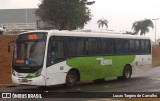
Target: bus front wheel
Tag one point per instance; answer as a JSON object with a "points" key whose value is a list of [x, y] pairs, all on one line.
{"points": [[71, 79]]}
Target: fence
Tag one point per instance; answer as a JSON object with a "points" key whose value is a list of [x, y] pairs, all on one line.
{"points": [[12, 28]]}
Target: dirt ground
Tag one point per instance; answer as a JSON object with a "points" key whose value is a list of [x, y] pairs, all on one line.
{"points": [[5, 58]]}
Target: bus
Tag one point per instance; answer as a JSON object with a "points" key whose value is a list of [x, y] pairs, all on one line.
{"points": [[52, 57]]}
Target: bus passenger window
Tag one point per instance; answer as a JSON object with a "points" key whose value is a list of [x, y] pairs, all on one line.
{"points": [[143, 51], [122, 46], [132, 46], [92, 47], [81, 48], [147, 47], [137, 46], [108, 46], [55, 52], [72, 47], [76, 47]]}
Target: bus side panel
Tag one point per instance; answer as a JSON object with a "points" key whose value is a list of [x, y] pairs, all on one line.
{"points": [[142, 63], [56, 74], [121, 62], [86, 66], [97, 67], [92, 68]]}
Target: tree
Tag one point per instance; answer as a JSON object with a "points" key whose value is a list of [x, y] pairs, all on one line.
{"points": [[65, 14], [142, 26], [102, 22]]}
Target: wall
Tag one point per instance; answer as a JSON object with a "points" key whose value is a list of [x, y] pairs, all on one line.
{"points": [[155, 55], [5, 59]]}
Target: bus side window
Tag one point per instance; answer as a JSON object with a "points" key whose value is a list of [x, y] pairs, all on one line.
{"points": [[92, 46], [132, 46], [108, 46], [81, 47], [76, 47], [55, 52], [143, 51], [72, 47], [147, 47], [137, 46], [122, 46]]}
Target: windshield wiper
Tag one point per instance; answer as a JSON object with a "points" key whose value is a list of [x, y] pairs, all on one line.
{"points": [[33, 47]]}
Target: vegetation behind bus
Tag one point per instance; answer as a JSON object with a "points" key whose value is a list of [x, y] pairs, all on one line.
{"points": [[65, 14]]}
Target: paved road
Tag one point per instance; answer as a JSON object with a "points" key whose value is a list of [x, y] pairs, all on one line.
{"points": [[146, 82]]}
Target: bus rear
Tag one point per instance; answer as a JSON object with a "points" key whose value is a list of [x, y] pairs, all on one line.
{"points": [[28, 58]]}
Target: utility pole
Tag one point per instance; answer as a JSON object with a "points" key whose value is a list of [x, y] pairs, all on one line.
{"points": [[155, 28]]}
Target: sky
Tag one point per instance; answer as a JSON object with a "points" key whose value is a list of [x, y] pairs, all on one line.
{"points": [[119, 13]]}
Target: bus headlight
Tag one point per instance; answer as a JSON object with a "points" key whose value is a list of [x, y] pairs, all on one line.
{"points": [[13, 72]]}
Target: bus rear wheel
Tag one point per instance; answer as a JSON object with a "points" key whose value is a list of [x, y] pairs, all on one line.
{"points": [[71, 79], [127, 72]]}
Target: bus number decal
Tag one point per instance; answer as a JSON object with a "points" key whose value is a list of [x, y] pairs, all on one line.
{"points": [[105, 61]]}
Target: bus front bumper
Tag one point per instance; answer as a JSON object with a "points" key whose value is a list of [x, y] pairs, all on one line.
{"points": [[40, 80]]}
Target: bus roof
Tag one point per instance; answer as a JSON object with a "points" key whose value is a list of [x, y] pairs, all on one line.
{"points": [[89, 34]]}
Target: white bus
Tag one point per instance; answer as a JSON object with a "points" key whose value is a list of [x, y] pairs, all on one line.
{"points": [[65, 57]]}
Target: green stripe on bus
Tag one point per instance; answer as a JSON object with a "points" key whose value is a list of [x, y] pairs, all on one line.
{"points": [[32, 75], [97, 67]]}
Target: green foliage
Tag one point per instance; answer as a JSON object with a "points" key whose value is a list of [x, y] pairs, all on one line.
{"points": [[102, 22], [65, 14], [142, 26]]}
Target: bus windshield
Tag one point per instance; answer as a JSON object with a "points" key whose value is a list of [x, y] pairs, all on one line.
{"points": [[29, 50]]}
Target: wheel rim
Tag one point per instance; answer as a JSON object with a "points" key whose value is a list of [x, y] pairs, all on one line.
{"points": [[70, 80], [127, 73]]}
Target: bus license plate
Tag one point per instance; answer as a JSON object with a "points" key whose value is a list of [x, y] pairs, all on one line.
{"points": [[24, 80]]}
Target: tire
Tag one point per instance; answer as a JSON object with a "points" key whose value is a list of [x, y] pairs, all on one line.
{"points": [[71, 79], [127, 72]]}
